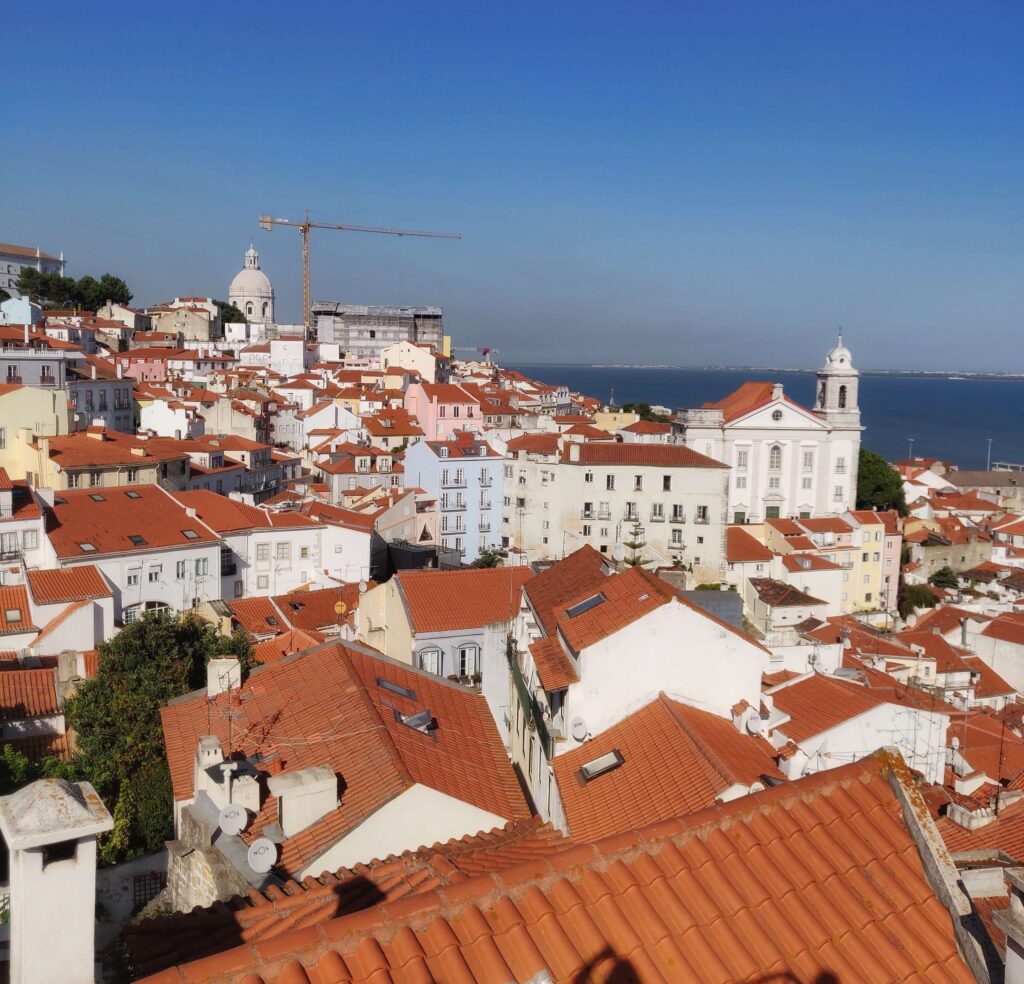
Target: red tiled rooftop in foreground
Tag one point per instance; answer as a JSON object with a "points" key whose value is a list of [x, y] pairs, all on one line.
{"points": [[65, 585], [814, 880]]}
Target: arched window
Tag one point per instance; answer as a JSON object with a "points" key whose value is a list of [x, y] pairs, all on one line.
{"points": [[469, 660], [775, 458], [430, 660], [266, 307], [248, 308], [842, 397], [821, 395]]}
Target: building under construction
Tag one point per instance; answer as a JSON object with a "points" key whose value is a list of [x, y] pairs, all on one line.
{"points": [[362, 331]]}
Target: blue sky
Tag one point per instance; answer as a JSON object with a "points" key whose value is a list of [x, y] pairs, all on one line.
{"points": [[687, 183]]}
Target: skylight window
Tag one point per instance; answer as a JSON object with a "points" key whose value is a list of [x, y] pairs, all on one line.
{"points": [[422, 721], [190, 534], [96, 497], [87, 547], [133, 495], [271, 620], [12, 614], [137, 540], [602, 764], [394, 688], [584, 606]]}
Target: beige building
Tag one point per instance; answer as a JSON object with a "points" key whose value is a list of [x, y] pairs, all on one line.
{"points": [[28, 413]]}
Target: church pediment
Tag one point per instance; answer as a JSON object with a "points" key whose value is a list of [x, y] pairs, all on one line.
{"points": [[783, 414]]}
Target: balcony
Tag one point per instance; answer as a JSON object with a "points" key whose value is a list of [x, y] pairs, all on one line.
{"points": [[454, 483], [52, 381], [450, 505], [588, 514], [484, 526], [702, 520], [604, 514], [678, 518], [485, 481], [485, 505], [631, 516], [10, 554], [657, 517], [13, 380]]}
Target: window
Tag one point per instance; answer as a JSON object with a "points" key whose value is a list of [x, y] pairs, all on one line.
{"points": [[657, 512], [876, 556], [702, 514], [742, 457], [30, 540], [202, 567], [774, 482], [609, 483], [153, 575], [588, 477], [94, 478], [678, 513], [631, 511], [587, 530], [604, 532], [739, 517], [775, 458], [867, 578], [867, 595], [838, 493], [808, 461], [3, 438], [602, 764], [283, 551], [469, 660], [190, 534], [263, 551], [430, 660], [12, 615], [840, 466], [666, 483], [638, 483], [842, 397], [776, 415], [677, 538], [588, 510], [303, 553], [179, 570], [132, 579], [262, 582], [805, 483]]}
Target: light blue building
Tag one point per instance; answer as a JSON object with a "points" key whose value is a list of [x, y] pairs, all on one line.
{"points": [[466, 475]]}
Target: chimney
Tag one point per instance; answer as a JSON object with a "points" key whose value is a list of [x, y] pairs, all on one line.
{"points": [[1011, 922], [120, 369], [92, 366], [776, 391], [223, 674], [304, 797], [50, 829]]}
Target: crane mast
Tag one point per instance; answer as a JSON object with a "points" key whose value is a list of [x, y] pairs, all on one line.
{"points": [[267, 222]]}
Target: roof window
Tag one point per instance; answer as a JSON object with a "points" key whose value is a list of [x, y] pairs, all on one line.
{"points": [[190, 534], [394, 688], [271, 620], [422, 721], [133, 495], [87, 547], [137, 540], [96, 497], [602, 764], [584, 606], [12, 614]]}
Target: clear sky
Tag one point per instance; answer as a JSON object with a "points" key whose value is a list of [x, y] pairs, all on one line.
{"points": [[679, 182]]}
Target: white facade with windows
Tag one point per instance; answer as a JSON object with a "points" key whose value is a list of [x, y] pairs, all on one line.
{"points": [[787, 461]]}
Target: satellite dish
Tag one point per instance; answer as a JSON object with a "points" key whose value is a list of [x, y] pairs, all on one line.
{"points": [[955, 742], [232, 819], [340, 608], [578, 728], [618, 553], [754, 724], [362, 587], [262, 855]]}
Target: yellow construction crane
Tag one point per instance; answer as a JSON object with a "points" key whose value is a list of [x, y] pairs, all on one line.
{"points": [[268, 223]]}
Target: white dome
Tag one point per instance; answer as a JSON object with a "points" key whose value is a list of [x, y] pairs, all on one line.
{"points": [[839, 357], [251, 291], [251, 283]]}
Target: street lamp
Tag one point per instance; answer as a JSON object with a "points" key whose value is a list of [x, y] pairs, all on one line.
{"points": [[910, 448], [988, 464]]}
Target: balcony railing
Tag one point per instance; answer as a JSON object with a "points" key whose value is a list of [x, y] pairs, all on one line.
{"points": [[484, 526], [451, 505], [485, 505], [52, 381], [677, 518], [10, 553], [632, 516], [604, 514], [485, 481], [657, 517], [703, 520], [588, 514]]}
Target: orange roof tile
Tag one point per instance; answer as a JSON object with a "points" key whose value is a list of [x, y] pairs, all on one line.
{"points": [[534, 444], [293, 641], [555, 586], [439, 601], [554, 665], [751, 396], [742, 548], [28, 694], [15, 613], [653, 455], [676, 760], [67, 584], [814, 879], [819, 703]]}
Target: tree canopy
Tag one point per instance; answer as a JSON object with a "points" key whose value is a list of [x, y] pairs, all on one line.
{"points": [[644, 412], [915, 596], [945, 577], [879, 485], [51, 290], [116, 718], [229, 313]]}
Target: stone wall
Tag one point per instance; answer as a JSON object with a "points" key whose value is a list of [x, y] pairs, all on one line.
{"points": [[197, 873]]}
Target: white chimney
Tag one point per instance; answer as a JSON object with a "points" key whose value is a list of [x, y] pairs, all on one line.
{"points": [[50, 828], [776, 391], [304, 796], [120, 369], [223, 673], [92, 366], [208, 754]]}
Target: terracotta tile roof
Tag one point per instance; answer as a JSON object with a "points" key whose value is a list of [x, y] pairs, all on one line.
{"points": [[742, 548], [446, 393], [751, 396], [164, 941], [814, 880], [769, 680], [946, 618], [293, 641], [320, 608], [65, 585], [948, 658], [653, 455], [649, 427], [9, 249], [1005, 629], [438, 601], [676, 760], [534, 444], [554, 665], [28, 694], [825, 524], [258, 616], [81, 450], [15, 613], [107, 518], [808, 562], [325, 707], [819, 703], [552, 588], [778, 594], [1005, 833], [225, 515], [991, 683]]}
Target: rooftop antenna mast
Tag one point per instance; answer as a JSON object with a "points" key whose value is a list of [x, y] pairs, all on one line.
{"points": [[267, 222]]}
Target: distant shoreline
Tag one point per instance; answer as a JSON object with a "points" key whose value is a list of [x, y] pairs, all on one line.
{"points": [[953, 374]]}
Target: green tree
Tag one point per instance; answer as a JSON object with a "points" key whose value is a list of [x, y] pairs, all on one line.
{"points": [[635, 545], [51, 290], [915, 596], [488, 558], [879, 486], [644, 412], [229, 313], [945, 577], [4, 296], [116, 717]]}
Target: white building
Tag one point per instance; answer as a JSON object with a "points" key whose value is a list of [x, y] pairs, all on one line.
{"points": [[251, 291], [786, 460], [13, 259]]}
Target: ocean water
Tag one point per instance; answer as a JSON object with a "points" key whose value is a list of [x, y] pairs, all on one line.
{"points": [[950, 419]]}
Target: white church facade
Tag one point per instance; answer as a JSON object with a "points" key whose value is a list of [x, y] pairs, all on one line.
{"points": [[251, 291], [786, 460]]}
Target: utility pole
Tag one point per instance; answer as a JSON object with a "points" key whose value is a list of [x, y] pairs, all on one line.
{"points": [[268, 222], [988, 462]]}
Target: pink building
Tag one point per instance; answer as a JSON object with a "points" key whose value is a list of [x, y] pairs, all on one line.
{"points": [[442, 408]]}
